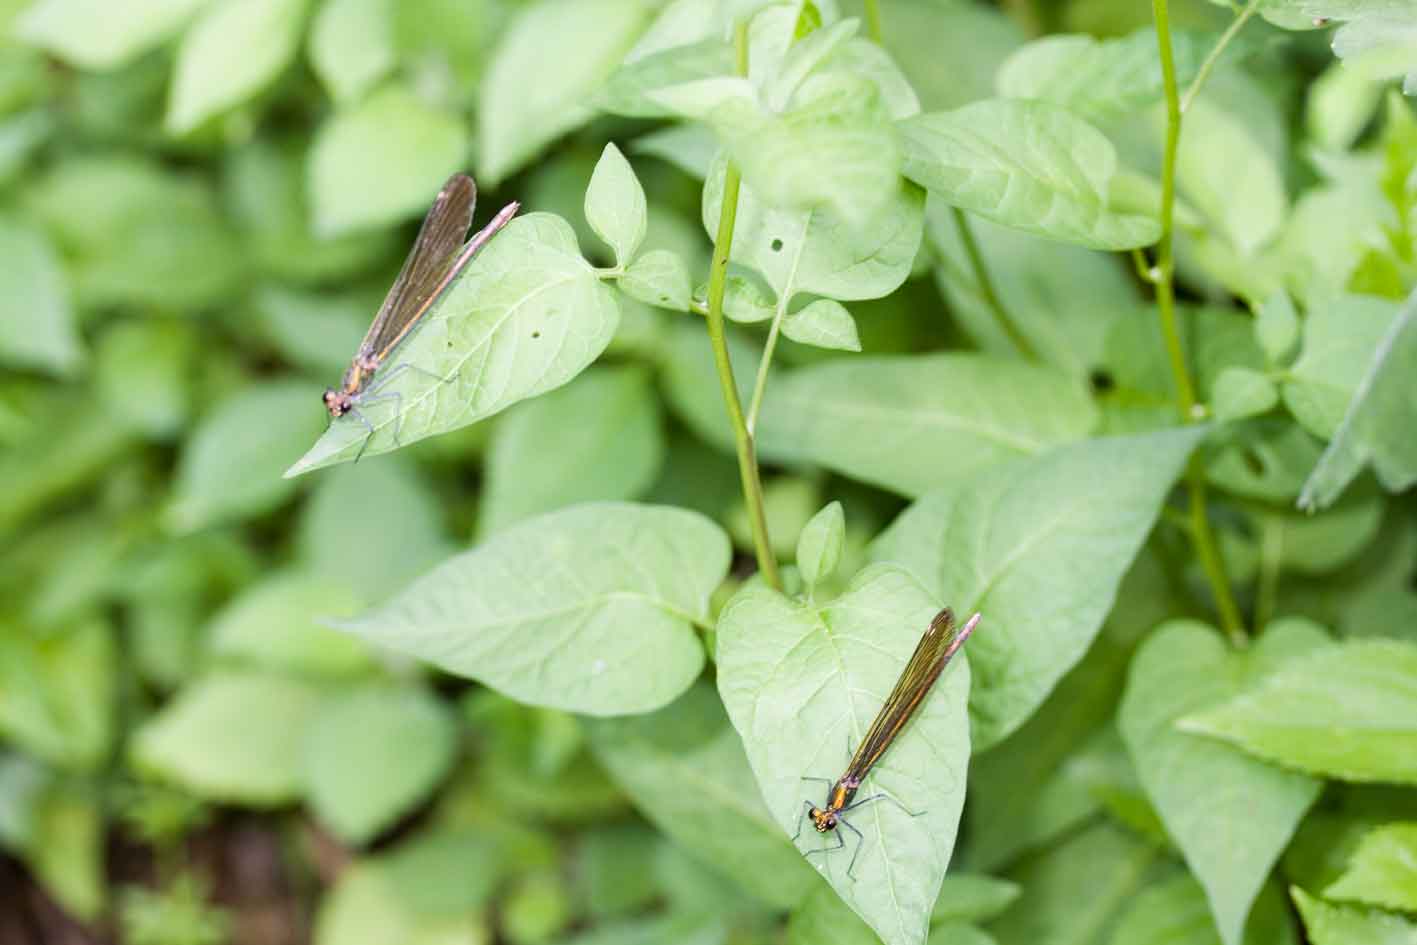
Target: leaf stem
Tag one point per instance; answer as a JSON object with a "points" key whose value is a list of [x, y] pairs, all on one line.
{"points": [[986, 285], [1164, 273], [718, 277], [1213, 56], [873, 21], [760, 385]]}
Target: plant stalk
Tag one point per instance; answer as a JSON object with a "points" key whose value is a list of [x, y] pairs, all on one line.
{"points": [[718, 280], [986, 286]]}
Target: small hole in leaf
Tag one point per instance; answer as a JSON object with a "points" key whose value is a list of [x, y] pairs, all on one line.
{"points": [[536, 334], [1254, 462], [776, 245], [1101, 380]]}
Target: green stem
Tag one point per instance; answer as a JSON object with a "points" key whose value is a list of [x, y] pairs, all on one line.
{"points": [[718, 276], [1271, 551], [1214, 55], [873, 21], [986, 286], [1207, 550], [761, 384]]}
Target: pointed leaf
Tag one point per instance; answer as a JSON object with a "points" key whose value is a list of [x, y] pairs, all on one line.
{"points": [[1383, 870], [658, 277], [1329, 924], [819, 545], [36, 320], [824, 324], [102, 34], [615, 204], [351, 46]]}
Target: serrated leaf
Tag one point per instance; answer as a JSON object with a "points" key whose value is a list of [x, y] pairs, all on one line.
{"points": [[1230, 815], [1241, 392], [1376, 425], [1348, 712], [817, 250], [802, 684], [374, 753], [378, 162], [685, 770], [233, 50], [604, 430], [1382, 871], [824, 323], [911, 423], [102, 34], [36, 320], [229, 466], [615, 204], [819, 545], [590, 609], [526, 315], [1101, 80], [1062, 527], [552, 56], [351, 46], [1329, 924], [660, 278], [232, 737], [1029, 165]]}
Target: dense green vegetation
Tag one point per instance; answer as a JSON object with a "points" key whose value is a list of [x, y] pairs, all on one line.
{"points": [[1094, 317]]}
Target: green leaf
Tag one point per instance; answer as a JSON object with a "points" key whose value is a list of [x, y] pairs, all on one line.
{"points": [[36, 321], [1379, 418], [819, 545], [824, 919], [615, 204], [1378, 42], [911, 423], [824, 324], [613, 861], [552, 57], [233, 738], [817, 250], [802, 684], [1348, 711], [230, 466], [277, 624], [526, 315], [590, 609], [351, 46], [633, 89], [1329, 924], [144, 375], [1277, 328], [1230, 815], [692, 386], [1241, 392], [685, 771], [234, 50], [388, 512], [1341, 337], [66, 850], [371, 904], [1173, 912], [57, 696], [658, 277], [381, 161], [1339, 105], [1074, 889], [1382, 871], [1029, 165], [603, 429], [1100, 80], [373, 754], [973, 897], [1061, 527], [102, 34]]}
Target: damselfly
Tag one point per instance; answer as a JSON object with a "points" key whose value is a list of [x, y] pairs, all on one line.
{"points": [[941, 641], [438, 256]]}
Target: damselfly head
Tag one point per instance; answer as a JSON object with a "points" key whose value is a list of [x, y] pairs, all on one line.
{"points": [[823, 820], [337, 402]]}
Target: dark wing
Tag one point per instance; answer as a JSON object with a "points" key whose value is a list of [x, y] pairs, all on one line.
{"points": [[438, 242], [940, 642]]}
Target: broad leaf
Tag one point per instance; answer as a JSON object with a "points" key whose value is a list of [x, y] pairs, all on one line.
{"points": [[1039, 547], [231, 738], [823, 324], [1231, 815], [658, 277], [36, 320], [1173, 912], [914, 422], [526, 315], [374, 753], [371, 903], [1383, 870], [590, 609], [351, 46], [615, 204], [552, 56], [57, 699], [603, 429], [1376, 424], [1347, 712], [1341, 336], [102, 34], [1241, 392], [1329, 924], [234, 50], [277, 624], [802, 684], [381, 161], [1029, 165], [684, 769]]}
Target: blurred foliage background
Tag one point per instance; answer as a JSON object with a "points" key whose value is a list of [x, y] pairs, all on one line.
{"points": [[201, 204]]}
